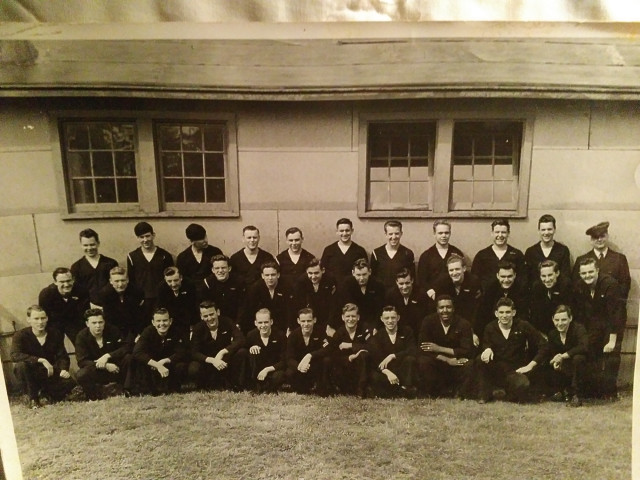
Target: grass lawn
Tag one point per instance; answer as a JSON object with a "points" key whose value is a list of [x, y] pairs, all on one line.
{"points": [[223, 435]]}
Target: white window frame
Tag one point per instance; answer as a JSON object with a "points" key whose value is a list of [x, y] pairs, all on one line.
{"points": [[150, 201], [443, 162]]}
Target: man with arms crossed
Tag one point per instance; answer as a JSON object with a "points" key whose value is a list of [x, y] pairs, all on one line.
{"points": [[267, 349]]}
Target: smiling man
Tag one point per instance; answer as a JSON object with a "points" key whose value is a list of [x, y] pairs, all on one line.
{"points": [[389, 258], [338, 258], [65, 303], [317, 291], [267, 349], [41, 361], [223, 288], [247, 261], [92, 271], [411, 303], [445, 345], [485, 263], [547, 249], [551, 289], [294, 260], [503, 369], [194, 262]]}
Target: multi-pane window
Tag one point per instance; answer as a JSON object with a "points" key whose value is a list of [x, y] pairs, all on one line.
{"points": [[192, 161], [486, 159], [100, 161], [400, 157], [419, 164]]}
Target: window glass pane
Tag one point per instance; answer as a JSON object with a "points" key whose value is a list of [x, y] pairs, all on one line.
{"points": [[504, 145], [419, 193], [483, 146], [399, 193], [191, 139], [194, 190], [419, 146], [378, 195], [462, 146], [79, 164], [125, 164], [102, 164], [193, 165], [419, 173], [482, 192], [122, 136], [462, 172], [503, 192], [399, 147], [214, 165], [216, 191], [379, 174], [127, 190], [105, 191], [171, 164], [173, 190], [462, 192], [169, 137], [100, 135], [77, 136], [379, 162], [214, 138], [83, 191], [483, 172], [401, 173], [503, 172], [419, 161], [379, 147]]}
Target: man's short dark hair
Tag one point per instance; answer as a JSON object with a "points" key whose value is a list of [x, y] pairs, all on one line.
{"points": [[505, 302], [454, 257], [93, 312], [314, 262], [344, 221], [361, 263], [170, 271], [546, 218], [562, 308], [61, 271], [350, 307], [389, 308], [34, 308], [392, 223], [506, 265], [219, 258], [270, 264], [443, 296], [441, 221], [291, 231], [118, 271], [250, 228], [502, 222], [205, 304], [160, 311], [403, 272], [89, 233], [305, 311], [587, 261], [142, 228], [549, 263]]}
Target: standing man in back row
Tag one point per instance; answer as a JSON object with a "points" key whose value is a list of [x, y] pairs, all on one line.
{"points": [[91, 272], [339, 257], [547, 249], [485, 263], [247, 262], [294, 260], [194, 262], [432, 266], [389, 258]]}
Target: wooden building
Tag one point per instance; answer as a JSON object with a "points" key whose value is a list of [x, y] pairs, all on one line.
{"points": [[300, 124]]}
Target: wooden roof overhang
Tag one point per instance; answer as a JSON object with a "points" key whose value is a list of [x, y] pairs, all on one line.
{"points": [[321, 61]]}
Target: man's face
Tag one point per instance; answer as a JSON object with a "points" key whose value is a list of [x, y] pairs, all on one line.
{"points": [[505, 315], [546, 231], [162, 322], [174, 281], [119, 282], [263, 323], [350, 319], [315, 274], [96, 325], [146, 240], [210, 316], [506, 277], [270, 277], [500, 235], [442, 235], [394, 234], [548, 276], [456, 272], [561, 321], [38, 321], [390, 320], [200, 245], [64, 282], [344, 232], [405, 285], [221, 269], [251, 239], [89, 246], [445, 311], [600, 242], [362, 275], [306, 322], [294, 240], [589, 273]]}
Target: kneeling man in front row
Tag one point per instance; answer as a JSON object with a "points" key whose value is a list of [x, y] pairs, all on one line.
{"points": [[160, 356], [502, 367], [218, 359], [103, 355], [267, 349], [41, 361]]}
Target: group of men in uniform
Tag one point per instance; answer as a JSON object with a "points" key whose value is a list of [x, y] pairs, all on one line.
{"points": [[346, 322]]}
